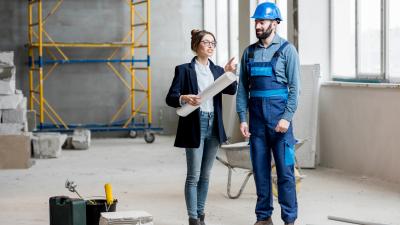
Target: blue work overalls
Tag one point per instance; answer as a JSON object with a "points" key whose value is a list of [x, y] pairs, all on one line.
{"points": [[267, 104]]}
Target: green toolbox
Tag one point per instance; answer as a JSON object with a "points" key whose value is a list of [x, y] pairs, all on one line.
{"points": [[67, 211]]}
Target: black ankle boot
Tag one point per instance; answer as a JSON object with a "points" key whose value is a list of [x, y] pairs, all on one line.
{"points": [[194, 221], [201, 217]]}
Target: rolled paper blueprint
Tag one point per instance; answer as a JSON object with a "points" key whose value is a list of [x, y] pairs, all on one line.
{"points": [[219, 84]]}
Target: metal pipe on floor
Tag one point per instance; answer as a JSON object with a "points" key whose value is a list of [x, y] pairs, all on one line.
{"points": [[345, 220]]}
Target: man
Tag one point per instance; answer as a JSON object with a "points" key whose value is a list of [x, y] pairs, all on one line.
{"points": [[269, 88]]}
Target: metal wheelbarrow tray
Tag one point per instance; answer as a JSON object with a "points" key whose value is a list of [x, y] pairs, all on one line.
{"points": [[238, 156]]}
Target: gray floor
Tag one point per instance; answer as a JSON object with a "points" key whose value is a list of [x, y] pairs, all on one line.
{"points": [[150, 177]]}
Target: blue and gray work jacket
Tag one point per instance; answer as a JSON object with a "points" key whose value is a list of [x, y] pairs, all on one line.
{"points": [[285, 66]]}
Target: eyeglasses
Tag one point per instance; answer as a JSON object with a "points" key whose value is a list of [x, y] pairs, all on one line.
{"points": [[210, 43]]}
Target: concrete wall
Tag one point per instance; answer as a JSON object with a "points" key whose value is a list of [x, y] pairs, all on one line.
{"points": [[359, 130], [91, 93], [314, 34]]}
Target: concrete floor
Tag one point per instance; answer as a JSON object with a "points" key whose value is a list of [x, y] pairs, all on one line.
{"points": [[150, 177]]}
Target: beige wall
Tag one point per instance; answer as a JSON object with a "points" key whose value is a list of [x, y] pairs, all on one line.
{"points": [[359, 130]]}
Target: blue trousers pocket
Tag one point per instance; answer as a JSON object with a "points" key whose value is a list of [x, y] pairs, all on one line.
{"points": [[289, 154]]}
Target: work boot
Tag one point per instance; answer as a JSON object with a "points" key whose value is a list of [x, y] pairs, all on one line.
{"points": [[265, 222], [194, 221], [201, 217]]}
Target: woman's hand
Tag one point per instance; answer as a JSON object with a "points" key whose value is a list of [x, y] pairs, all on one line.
{"points": [[193, 100], [230, 66]]}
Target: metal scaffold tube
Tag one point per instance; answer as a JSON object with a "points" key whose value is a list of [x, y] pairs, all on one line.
{"points": [[150, 119], [40, 14]]}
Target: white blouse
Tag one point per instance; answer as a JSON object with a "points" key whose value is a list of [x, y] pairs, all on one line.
{"points": [[204, 79]]}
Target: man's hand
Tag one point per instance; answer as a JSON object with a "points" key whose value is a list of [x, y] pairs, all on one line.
{"points": [[283, 126], [230, 66], [244, 128], [193, 100]]}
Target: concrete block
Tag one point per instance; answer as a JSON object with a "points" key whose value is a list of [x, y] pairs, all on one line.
{"points": [[25, 128], [7, 87], [7, 72], [7, 80], [17, 115], [48, 145], [15, 152], [31, 120], [68, 143], [81, 139], [11, 128], [7, 57], [126, 218], [10, 101]]}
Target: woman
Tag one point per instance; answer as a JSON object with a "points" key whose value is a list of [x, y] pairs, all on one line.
{"points": [[201, 132]]}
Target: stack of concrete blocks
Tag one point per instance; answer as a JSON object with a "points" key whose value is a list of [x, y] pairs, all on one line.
{"points": [[13, 107], [15, 142], [12, 102], [126, 218]]}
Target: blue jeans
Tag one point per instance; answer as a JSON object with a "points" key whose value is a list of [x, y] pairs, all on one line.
{"points": [[199, 163]]}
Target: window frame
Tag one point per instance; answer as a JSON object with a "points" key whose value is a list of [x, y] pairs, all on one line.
{"points": [[212, 20], [384, 75]]}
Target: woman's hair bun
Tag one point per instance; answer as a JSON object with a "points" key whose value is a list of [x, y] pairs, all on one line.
{"points": [[195, 31]]}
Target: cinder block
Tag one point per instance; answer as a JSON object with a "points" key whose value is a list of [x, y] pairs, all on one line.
{"points": [[10, 101], [126, 218], [7, 57], [7, 87], [7, 72], [68, 143], [7, 79], [81, 139], [25, 128], [15, 152], [17, 115], [31, 118], [11, 128], [48, 145]]}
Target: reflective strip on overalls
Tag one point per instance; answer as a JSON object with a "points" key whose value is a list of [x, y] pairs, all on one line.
{"points": [[263, 82]]}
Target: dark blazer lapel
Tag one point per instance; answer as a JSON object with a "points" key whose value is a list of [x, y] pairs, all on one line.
{"points": [[213, 69], [193, 77]]}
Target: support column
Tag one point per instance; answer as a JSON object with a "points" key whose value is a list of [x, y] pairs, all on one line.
{"points": [[244, 25]]}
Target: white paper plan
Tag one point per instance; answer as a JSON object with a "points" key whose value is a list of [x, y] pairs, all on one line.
{"points": [[219, 84]]}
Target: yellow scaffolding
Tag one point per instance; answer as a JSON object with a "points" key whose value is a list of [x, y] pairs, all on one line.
{"points": [[40, 41]]}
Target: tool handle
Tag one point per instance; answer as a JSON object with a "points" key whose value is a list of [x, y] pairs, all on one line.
{"points": [[109, 195]]}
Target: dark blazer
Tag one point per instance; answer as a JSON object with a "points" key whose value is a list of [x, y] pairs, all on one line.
{"points": [[184, 83]]}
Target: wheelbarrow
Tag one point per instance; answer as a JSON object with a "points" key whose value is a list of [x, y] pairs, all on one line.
{"points": [[238, 156]]}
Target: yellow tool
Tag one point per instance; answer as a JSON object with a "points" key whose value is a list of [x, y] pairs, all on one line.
{"points": [[109, 196]]}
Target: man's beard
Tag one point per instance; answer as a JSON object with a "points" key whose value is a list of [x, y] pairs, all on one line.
{"points": [[265, 34]]}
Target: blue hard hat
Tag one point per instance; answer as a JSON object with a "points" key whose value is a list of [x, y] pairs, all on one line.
{"points": [[267, 11]]}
